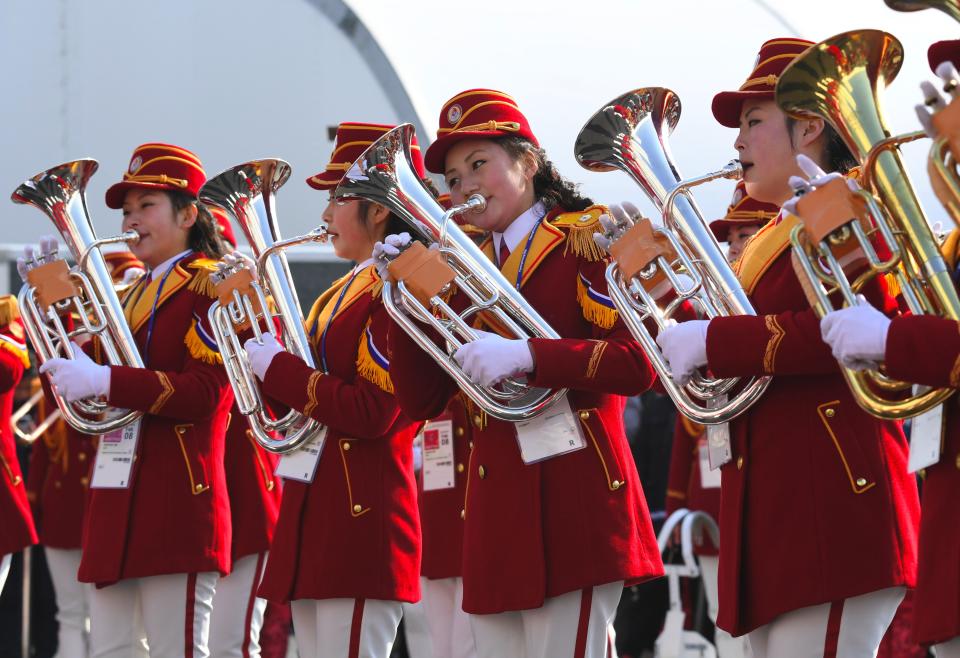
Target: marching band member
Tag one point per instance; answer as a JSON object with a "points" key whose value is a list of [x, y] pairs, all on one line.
{"points": [[346, 551], [157, 533], [57, 486], [15, 517], [548, 545], [254, 505], [924, 350], [818, 513]]}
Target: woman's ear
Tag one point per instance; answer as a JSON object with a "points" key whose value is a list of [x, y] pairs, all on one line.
{"points": [[377, 216], [807, 130], [529, 164], [188, 215]]}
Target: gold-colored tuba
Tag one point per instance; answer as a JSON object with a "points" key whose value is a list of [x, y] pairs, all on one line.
{"points": [[247, 192], [655, 270], [86, 291], [384, 174], [949, 7], [838, 80], [943, 164]]}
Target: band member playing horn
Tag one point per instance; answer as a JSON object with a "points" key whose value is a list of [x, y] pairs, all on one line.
{"points": [[157, 532], [15, 517], [818, 513], [924, 350], [57, 484], [346, 551], [254, 505], [548, 544]]}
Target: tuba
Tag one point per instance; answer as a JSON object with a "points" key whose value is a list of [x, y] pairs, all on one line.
{"points": [[943, 164], [655, 270], [949, 7], [248, 193], [384, 174], [86, 290], [838, 80]]}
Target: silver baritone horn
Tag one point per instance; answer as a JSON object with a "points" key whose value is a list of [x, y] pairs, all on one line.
{"points": [[656, 269], [384, 174], [248, 193], [86, 291]]}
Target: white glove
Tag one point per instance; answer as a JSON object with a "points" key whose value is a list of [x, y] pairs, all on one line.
{"points": [[493, 358], [132, 274], [857, 335], [261, 356], [49, 248], [816, 177], [684, 346], [933, 101], [79, 377], [620, 220], [386, 251]]}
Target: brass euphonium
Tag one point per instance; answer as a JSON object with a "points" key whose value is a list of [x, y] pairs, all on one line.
{"points": [[943, 164], [630, 134], [247, 192], [838, 80], [384, 174], [949, 7], [88, 292]]}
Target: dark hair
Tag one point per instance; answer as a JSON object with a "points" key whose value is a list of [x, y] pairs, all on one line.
{"points": [[548, 185], [394, 223], [204, 237], [836, 154]]}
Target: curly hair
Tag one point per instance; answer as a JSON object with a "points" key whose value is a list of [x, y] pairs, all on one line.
{"points": [[548, 185]]}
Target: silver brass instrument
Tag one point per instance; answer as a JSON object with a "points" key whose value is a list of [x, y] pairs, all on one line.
{"points": [[630, 134], [248, 193], [839, 80], [27, 437], [384, 174], [59, 193]]}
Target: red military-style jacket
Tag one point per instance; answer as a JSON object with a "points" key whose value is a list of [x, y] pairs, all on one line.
{"points": [[353, 532], [440, 509], [684, 486], [175, 515], [16, 520], [816, 503], [576, 520], [58, 481], [254, 489]]}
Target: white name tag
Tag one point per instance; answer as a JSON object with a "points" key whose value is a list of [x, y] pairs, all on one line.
{"points": [[301, 465], [437, 442], [718, 437], [709, 477], [554, 432], [926, 435], [115, 455]]}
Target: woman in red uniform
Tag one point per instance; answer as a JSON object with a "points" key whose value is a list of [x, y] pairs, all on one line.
{"points": [[818, 514], [157, 536], [347, 546], [924, 350], [15, 517], [254, 505], [548, 545]]}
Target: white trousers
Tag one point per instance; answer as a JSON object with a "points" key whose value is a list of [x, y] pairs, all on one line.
{"points": [[949, 649], [237, 611], [449, 626], [73, 606], [4, 569], [415, 630], [345, 628], [727, 645], [572, 625], [852, 628], [172, 612]]}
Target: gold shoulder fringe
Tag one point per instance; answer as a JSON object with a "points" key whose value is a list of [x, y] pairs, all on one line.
{"points": [[201, 282], [368, 367], [593, 311], [9, 311], [580, 227], [198, 349]]}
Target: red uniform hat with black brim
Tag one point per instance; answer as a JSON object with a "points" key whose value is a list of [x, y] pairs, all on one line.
{"points": [[351, 141], [159, 167], [744, 210], [476, 114], [944, 51], [774, 57]]}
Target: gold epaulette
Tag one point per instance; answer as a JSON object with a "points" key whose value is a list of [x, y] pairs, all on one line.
{"points": [[9, 311], [201, 282], [580, 227], [372, 364]]}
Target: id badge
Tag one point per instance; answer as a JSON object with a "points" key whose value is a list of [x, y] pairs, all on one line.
{"points": [[301, 464], [926, 437], [437, 442], [709, 477], [554, 432], [115, 454]]}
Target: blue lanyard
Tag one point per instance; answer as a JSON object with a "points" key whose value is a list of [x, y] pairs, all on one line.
{"points": [[526, 250], [153, 310], [326, 328]]}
